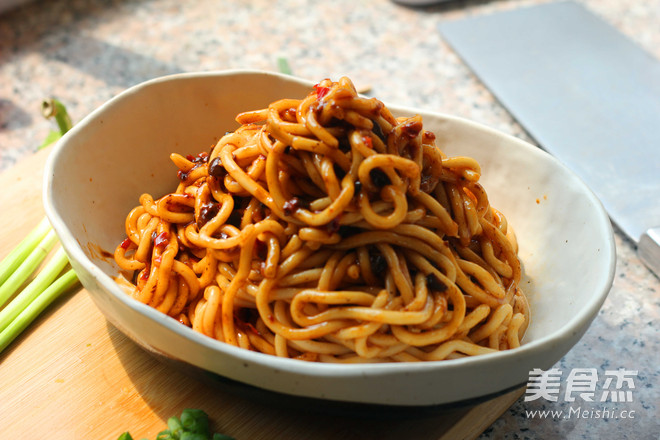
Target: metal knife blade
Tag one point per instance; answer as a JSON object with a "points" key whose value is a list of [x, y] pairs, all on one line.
{"points": [[586, 93]]}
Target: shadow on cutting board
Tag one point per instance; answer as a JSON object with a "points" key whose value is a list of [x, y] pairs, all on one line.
{"points": [[248, 412]]}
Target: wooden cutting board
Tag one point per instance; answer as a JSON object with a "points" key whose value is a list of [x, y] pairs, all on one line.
{"points": [[72, 375]]}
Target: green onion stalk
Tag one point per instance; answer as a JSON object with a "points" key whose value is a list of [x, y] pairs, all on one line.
{"points": [[23, 299], [21, 304], [283, 66]]}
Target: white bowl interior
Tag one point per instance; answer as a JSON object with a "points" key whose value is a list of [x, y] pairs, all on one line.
{"points": [[98, 170]]}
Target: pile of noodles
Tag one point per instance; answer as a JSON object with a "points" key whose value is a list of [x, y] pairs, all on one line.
{"points": [[326, 229]]}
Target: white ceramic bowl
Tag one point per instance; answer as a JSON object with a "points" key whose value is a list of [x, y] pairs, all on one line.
{"points": [[97, 171]]}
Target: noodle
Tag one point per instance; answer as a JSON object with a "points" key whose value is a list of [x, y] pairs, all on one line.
{"points": [[325, 229]]}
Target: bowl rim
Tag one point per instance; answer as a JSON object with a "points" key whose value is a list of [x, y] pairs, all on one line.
{"points": [[581, 320]]}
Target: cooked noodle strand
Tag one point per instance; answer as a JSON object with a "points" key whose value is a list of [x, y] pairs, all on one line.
{"points": [[326, 229]]}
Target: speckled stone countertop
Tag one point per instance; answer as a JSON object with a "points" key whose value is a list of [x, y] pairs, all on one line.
{"points": [[86, 51]]}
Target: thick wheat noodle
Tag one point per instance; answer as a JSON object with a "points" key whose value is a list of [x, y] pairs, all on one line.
{"points": [[326, 229]]}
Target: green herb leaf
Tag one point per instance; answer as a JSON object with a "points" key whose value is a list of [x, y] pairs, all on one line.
{"points": [[192, 425], [195, 421], [175, 427], [166, 435], [194, 436]]}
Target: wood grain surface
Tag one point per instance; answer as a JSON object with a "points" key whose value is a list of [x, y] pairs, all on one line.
{"points": [[72, 375]]}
